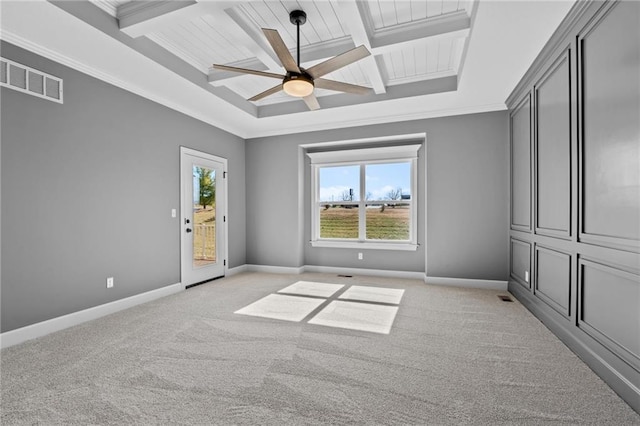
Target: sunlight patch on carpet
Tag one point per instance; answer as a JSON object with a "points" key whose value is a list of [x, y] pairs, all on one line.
{"points": [[373, 294], [357, 316], [308, 288], [363, 308], [278, 306]]}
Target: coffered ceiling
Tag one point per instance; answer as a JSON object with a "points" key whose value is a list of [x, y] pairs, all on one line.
{"points": [[424, 54]]}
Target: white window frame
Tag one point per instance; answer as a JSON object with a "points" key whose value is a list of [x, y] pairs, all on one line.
{"points": [[363, 157]]}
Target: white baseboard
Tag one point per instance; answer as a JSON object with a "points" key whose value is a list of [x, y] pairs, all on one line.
{"points": [[454, 282], [43, 328], [274, 269], [237, 270], [467, 283], [361, 271]]}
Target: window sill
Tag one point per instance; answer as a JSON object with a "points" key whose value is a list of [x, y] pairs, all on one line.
{"points": [[365, 245]]}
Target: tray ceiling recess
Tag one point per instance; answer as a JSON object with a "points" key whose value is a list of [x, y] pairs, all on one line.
{"points": [[416, 46]]}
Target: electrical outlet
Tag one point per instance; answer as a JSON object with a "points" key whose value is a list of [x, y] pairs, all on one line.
{"points": [[360, 257], [526, 276], [110, 282], [173, 212]]}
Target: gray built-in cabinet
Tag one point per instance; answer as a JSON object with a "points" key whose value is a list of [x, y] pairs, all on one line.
{"points": [[575, 189]]}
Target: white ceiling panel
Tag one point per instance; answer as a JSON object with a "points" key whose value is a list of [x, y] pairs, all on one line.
{"points": [[386, 13], [425, 61], [418, 10], [354, 74], [201, 42]]}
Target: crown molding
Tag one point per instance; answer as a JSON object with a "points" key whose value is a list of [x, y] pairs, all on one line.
{"points": [[422, 115]]}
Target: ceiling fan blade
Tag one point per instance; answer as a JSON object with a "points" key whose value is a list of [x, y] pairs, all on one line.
{"points": [[312, 102], [339, 86], [281, 50], [274, 89], [338, 62], [247, 71]]}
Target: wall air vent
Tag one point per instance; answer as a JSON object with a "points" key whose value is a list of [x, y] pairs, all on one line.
{"points": [[28, 80]]}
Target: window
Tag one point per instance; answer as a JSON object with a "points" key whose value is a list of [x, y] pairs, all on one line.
{"points": [[365, 198]]}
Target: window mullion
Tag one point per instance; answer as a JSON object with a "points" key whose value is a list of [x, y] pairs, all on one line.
{"points": [[362, 229]]}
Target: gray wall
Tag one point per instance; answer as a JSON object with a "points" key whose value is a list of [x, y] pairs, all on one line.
{"points": [[466, 197], [87, 190], [575, 160]]}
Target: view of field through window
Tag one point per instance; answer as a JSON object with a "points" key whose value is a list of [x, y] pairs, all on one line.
{"points": [[386, 201], [204, 216]]}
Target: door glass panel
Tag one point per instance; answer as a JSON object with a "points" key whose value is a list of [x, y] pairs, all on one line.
{"points": [[204, 216]]}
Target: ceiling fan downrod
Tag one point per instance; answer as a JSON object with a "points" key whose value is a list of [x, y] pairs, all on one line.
{"points": [[297, 18]]}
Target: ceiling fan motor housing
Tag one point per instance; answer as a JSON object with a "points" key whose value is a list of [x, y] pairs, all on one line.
{"points": [[297, 17]]}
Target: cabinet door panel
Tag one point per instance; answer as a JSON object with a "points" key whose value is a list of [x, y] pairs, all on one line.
{"points": [[553, 149], [521, 167], [610, 61]]}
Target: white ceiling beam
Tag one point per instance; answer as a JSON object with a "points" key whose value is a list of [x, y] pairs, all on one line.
{"points": [[137, 18], [418, 42], [259, 47], [451, 25], [352, 16]]}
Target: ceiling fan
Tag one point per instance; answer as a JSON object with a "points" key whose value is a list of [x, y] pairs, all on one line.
{"points": [[300, 82]]}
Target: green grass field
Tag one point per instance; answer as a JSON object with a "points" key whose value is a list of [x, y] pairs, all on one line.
{"points": [[390, 224]]}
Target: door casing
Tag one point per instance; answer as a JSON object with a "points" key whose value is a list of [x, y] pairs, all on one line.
{"points": [[224, 245]]}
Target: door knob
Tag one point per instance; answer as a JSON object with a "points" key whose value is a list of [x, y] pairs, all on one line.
{"points": [[187, 221], [188, 230]]}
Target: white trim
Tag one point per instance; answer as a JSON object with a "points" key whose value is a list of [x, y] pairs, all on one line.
{"points": [[365, 245], [275, 269], [361, 158], [43, 328], [467, 283], [392, 138], [450, 282], [225, 204], [385, 153], [362, 271], [388, 118], [237, 270]]}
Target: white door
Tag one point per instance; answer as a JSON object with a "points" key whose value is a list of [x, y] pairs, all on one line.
{"points": [[203, 216]]}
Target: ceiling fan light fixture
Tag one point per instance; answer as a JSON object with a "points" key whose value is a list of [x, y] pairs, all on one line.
{"points": [[298, 85]]}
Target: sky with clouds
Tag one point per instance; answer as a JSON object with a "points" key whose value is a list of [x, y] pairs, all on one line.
{"points": [[380, 180]]}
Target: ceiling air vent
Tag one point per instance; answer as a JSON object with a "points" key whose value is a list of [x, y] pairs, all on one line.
{"points": [[28, 80]]}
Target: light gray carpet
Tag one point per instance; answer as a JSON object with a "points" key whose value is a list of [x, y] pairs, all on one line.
{"points": [[454, 356]]}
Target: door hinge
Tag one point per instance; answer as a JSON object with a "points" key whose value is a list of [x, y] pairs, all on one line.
{"points": [[224, 218], [225, 262], [224, 175]]}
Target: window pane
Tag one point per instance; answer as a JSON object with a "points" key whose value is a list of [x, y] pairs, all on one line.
{"points": [[388, 181], [390, 221], [340, 183], [338, 221]]}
